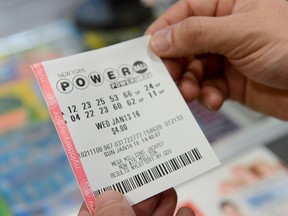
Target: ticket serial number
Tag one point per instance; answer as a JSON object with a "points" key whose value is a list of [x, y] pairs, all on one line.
{"points": [[126, 143]]}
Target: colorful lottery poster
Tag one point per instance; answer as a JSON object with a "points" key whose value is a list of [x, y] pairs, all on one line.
{"points": [[20, 106], [254, 183], [35, 176]]}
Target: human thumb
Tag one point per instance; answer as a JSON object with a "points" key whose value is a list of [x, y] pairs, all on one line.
{"points": [[112, 203], [196, 35]]}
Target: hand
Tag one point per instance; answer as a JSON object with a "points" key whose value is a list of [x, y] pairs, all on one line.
{"points": [[114, 204], [227, 49]]}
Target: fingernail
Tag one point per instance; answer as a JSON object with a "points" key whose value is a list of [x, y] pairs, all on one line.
{"points": [[162, 40], [108, 198], [207, 104]]}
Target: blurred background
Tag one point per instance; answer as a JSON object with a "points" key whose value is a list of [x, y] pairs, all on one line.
{"points": [[35, 176]]}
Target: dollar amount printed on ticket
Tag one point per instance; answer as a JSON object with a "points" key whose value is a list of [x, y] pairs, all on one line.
{"points": [[122, 121]]}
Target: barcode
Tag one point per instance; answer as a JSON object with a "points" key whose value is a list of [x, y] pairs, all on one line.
{"points": [[154, 173]]}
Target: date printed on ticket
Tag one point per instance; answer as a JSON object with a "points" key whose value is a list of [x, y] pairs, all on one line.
{"points": [[123, 122]]}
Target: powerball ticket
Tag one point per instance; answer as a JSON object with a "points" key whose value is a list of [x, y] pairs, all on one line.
{"points": [[123, 122]]}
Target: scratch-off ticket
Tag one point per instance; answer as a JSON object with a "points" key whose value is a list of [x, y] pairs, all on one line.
{"points": [[122, 121]]}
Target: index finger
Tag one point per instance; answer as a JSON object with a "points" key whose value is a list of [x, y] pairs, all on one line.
{"points": [[187, 8]]}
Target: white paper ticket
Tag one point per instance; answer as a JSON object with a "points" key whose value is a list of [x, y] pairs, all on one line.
{"points": [[122, 121]]}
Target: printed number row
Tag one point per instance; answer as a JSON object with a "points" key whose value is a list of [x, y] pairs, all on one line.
{"points": [[87, 106]]}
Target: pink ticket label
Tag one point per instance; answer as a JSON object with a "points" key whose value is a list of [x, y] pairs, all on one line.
{"points": [[64, 135]]}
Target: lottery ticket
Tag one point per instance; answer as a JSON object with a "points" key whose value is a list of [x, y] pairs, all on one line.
{"points": [[123, 122]]}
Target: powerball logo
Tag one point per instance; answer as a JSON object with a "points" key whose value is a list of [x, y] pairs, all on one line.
{"points": [[123, 76]]}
